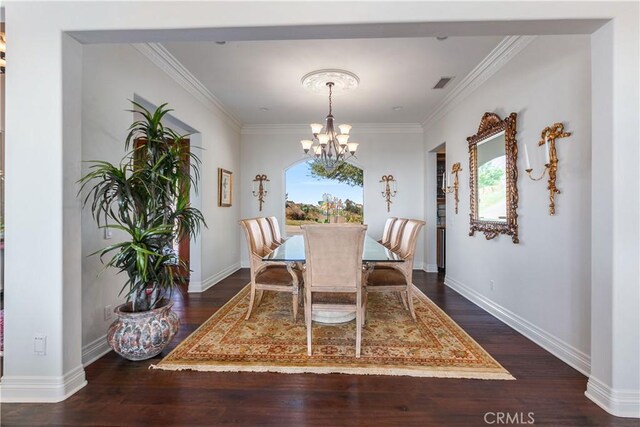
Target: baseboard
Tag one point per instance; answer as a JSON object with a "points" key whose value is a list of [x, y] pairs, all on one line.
{"points": [[41, 389], [245, 264], [562, 350], [430, 268], [212, 280], [621, 403], [95, 350]]}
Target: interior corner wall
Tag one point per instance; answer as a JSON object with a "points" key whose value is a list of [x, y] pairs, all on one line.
{"points": [[541, 285], [113, 74], [272, 151]]}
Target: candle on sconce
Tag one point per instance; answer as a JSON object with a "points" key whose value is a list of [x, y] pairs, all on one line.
{"points": [[546, 150], [444, 181], [526, 158]]}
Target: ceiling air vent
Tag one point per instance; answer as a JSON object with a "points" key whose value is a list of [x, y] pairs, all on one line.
{"points": [[443, 82]]}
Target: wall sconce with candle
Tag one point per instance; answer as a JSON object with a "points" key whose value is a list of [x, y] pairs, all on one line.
{"points": [[548, 138], [259, 189], [446, 184], [389, 189]]}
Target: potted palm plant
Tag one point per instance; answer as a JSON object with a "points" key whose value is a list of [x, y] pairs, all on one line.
{"points": [[145, 196]]}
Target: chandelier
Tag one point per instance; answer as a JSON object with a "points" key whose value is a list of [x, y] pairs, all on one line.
{"points": [[329, 148]]}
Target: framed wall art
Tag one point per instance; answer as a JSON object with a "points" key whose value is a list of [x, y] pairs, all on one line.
{"points": [[225, 187]]}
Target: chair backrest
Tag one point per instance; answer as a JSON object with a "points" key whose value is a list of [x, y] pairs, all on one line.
{"points": [[275, 229], [333, 255], [386, 233], [408, 239], [255, 241], [396, 232], [267, 234]]}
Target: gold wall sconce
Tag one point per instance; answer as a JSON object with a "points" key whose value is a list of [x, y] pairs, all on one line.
{"points": [[447, 188], [389, 189], [260, 190], [548, 138]]}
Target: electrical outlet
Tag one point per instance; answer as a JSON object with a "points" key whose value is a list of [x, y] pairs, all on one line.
{"points": [[491, 284], [108, 234], [108, 312], [40, 345]]}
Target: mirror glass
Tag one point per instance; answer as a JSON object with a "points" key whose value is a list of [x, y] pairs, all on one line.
{"points": [[492, 182], [493, 177]]}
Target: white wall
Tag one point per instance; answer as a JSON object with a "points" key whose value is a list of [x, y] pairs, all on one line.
{"points": [[545, 279], [383, 150], [35, 285], [112, 75]]}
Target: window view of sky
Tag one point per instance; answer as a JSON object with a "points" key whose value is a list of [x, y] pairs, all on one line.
{"points": [[301, 187]]}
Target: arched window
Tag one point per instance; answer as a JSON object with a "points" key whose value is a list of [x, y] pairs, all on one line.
{"points": [[317, 196]]}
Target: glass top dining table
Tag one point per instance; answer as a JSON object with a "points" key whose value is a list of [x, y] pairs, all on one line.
{"points": [[292, 250]]}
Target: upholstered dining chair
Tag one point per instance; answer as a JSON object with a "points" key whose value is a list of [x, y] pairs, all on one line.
{"points": [[386, 232], [267, 233], [275, 229], [397, 277], [395, 233], [270, 276], [333, 272]]}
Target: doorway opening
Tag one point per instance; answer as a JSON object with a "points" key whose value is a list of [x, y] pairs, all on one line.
{"points": [[316, 196], [441, 206]]}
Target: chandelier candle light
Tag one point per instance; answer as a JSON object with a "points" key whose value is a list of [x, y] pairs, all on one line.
{"points": [[329, 147], [259, 189]]}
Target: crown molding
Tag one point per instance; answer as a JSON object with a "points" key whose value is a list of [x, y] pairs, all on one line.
{"points": [[508, 48], [497, 58], [358, 128], [168, 63]]}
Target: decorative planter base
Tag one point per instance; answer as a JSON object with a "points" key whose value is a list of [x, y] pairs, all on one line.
{"points": [[142, 335]]}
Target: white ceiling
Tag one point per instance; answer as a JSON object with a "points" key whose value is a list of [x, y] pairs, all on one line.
{"points": [[249, 75]]}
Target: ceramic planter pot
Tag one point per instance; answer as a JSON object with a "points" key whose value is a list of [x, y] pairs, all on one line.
{"points": [[142, 335]]}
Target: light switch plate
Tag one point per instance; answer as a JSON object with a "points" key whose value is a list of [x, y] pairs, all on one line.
{"points": [[40, 345]]}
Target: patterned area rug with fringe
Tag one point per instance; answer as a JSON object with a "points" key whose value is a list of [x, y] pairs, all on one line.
{"points": [[392, 343]]}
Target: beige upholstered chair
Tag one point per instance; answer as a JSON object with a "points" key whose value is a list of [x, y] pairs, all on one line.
{"points": [[275, 229], [386, 233], [267, 233], [268, 276], [333, 272], [396, 233], [397, 277]]}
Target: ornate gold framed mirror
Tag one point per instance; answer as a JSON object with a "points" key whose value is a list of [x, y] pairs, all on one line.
{"points": [[493, 176]]}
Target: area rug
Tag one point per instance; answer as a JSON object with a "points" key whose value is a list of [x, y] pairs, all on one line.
{"points": [[392, 343]]}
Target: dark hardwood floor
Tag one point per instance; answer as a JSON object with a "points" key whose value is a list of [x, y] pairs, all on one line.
{"points": [[126, 393]]}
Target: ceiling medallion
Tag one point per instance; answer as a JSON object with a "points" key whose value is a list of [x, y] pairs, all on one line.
{"points": [[343, 81]]}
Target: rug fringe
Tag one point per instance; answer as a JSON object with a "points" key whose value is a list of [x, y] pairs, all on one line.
{"points": [[336, 370]]}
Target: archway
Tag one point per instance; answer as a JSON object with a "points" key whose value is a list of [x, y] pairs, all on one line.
{"points": [[316, 196]]}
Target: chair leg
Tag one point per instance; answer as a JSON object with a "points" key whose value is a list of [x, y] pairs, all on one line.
{"points": [[410, 300], [259, 294], [295, 307], [359, 322], [307, 320], [403, 300], [365, 297], [251, 299]]}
